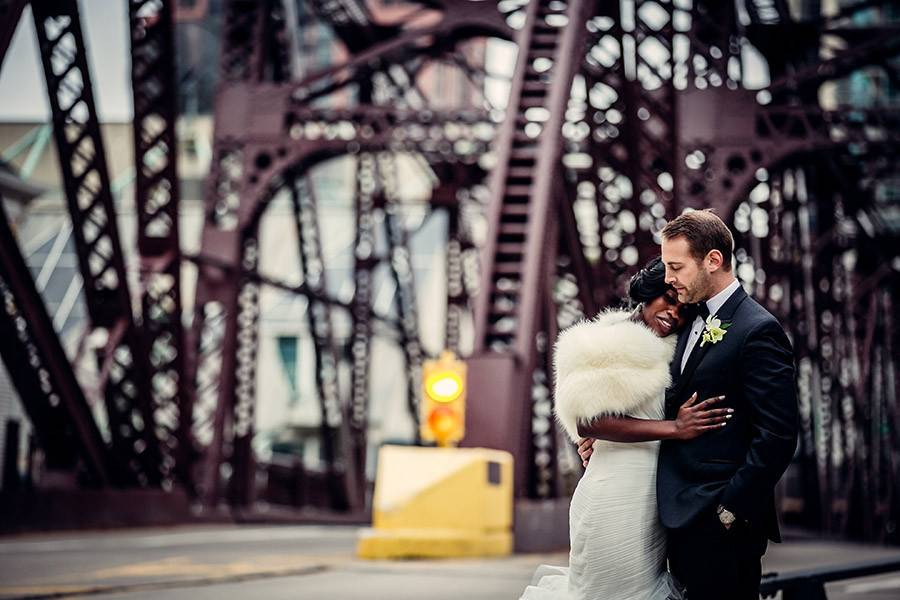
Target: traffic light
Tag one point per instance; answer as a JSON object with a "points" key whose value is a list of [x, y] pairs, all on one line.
{"points": [[442, 417]]}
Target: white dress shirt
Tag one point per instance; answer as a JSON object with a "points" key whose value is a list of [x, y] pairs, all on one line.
{"points": [[713, 304]]}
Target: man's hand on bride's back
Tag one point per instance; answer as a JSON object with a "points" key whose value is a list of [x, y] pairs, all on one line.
{"points": [[585, 449], [695, 419]]}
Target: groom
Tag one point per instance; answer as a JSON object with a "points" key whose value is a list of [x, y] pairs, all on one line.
{"points": [[716, 492]]}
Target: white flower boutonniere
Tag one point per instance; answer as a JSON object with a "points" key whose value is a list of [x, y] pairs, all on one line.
{"points": [[714, 331]]}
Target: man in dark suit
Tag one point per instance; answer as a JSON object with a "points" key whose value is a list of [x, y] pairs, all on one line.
{"points": [[716, 492]]}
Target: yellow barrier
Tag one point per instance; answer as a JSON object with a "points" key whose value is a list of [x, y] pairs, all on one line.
{"points": [[440, 502]]}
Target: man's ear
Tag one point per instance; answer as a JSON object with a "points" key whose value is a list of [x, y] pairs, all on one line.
{"points": [[716, 260]]}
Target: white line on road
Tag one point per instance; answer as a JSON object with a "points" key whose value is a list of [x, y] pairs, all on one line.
{"points": [[133, 539]]}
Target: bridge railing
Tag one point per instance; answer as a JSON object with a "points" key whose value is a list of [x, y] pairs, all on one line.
{"points": [[809, 584]]}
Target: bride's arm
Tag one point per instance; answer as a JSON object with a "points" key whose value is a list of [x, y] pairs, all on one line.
{"points": [[692, 421], [628, 429]]}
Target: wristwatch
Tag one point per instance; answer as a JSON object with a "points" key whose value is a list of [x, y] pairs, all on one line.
{"points": [[726, 517]]}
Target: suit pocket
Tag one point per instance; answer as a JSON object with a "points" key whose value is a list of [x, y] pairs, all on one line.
{"points": [[720, 461]]}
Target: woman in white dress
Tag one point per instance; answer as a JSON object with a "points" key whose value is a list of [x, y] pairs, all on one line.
{"points": [[610, 381]]}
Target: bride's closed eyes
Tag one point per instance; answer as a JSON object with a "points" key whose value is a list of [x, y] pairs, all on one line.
{"points": [[681, 309]]}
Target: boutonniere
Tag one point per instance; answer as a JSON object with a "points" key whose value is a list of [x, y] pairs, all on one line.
{"points": [[714, 331]]}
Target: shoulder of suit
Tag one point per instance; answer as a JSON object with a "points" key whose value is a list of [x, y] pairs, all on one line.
{"points": [[750, 308], [754, 318]]}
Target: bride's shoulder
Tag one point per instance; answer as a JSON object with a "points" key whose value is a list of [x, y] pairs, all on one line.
{"points": [[601, 322], [612, 334], [608, 365], [611, 316]]}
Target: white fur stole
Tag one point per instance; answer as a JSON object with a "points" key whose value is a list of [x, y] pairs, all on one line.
{"points": [[610, 365]]}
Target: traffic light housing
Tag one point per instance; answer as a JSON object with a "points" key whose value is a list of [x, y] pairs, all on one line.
{"points": [[442, 417]]}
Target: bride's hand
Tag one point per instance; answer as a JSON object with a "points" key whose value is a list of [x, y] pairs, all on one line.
{"points": [[696, 419], [585, 449]]}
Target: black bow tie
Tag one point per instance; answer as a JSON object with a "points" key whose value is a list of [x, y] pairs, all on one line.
{"points": [[702, 310]]}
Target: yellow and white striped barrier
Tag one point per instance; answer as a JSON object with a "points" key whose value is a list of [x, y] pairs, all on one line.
{"points": [[440, 502]]}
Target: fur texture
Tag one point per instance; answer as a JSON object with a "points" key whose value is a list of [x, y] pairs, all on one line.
{"points": [[611, 366]]}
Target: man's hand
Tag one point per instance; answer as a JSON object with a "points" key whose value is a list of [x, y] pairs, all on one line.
{"points": [[585, 449]]}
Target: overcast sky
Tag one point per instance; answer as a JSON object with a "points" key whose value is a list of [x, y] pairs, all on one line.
{"points": [[22, 88]]}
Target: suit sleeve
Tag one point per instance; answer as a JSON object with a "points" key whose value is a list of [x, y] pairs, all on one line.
{"points": [[767, 371]]}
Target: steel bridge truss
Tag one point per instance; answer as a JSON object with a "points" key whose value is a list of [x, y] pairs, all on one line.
{"points": [[620, 115]]}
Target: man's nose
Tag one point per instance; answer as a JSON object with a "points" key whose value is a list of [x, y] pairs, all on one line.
{"points": [[670, 279]]}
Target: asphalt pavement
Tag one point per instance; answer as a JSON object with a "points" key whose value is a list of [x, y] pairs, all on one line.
{"points": [[313, 562]]}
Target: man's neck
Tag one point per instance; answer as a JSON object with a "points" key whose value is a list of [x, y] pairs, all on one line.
{"points": [[719, 284]]}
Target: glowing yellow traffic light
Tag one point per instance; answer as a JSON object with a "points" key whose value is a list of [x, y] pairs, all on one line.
{"points": [[443, 412], [444, 386]]}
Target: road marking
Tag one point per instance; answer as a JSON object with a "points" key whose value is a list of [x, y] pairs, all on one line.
{"points": [[175, 566], [864, 587], [62, 591], [179, 539]]}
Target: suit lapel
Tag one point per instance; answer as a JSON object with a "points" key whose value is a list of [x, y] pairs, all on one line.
{"points": [[725, 314], [675, 365], [694, 359]]}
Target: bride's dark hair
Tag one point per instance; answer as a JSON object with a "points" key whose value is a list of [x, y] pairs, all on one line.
{"points": [[649, 283]]}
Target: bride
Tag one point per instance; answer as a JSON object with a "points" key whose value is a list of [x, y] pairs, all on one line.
{"points": [[611, 376]]}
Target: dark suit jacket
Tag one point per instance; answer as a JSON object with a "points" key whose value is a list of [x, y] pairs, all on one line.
{"points": [[739, 465]]}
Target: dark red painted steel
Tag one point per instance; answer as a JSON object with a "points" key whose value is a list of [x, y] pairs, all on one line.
{"points": [[401, 264], [603, 142], [364, 263], [157, 196], [352, 22], [838, 314], [345, 486], [522, 219], [122, 359], [43, 377], [264, 130], [631, 112]]}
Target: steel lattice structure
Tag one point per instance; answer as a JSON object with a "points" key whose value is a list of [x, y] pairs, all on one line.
{"points": [[621, 114]]}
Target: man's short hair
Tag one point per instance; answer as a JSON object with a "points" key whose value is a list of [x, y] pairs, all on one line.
{"points": [[704, 231]]}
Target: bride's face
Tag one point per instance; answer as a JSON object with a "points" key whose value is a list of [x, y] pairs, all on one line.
{"points": [[664, 315]]}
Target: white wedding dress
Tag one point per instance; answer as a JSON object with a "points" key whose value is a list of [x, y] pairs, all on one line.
{"points": [[611, 365], [618, 547]]}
